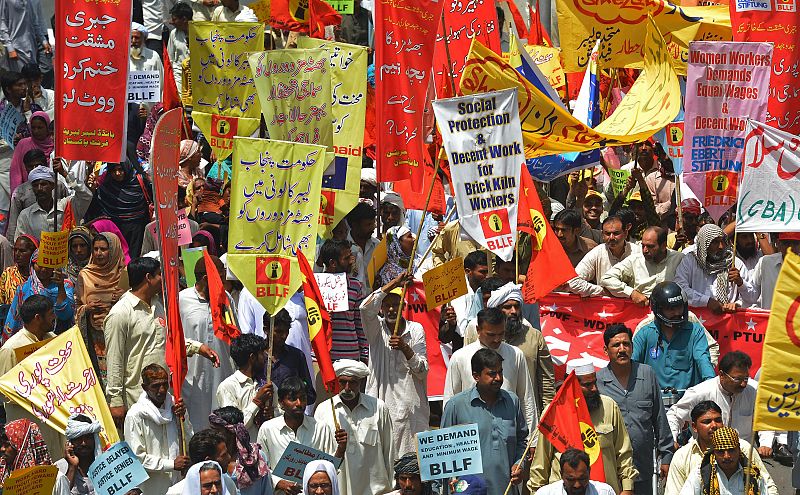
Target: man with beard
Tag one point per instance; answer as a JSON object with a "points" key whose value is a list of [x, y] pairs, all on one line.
{"points": [[635, 277], [142, 58], [600, 259], [709, 280], [407, 477], [399, 363], [392, 210], [747, 249], [83, 443], [615, 445], [575, 480], [367, 465], [634, 387], [706, 419], [349, 341], [39, 216], [725, 469], [520, 334], [517, 379], [486, 404], [294, 426]]}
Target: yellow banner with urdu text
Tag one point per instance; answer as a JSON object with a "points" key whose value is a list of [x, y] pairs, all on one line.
{"points": [[777, 402], [547, 128], [275, 199], [224, 99], [58, 380]]}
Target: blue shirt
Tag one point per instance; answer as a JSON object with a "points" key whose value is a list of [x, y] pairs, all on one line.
{"points": [[65, 311], [502, 429], [682, 362]]}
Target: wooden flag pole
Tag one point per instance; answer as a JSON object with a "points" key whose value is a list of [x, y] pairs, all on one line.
{"points": [[519, 463], [271, 341]]}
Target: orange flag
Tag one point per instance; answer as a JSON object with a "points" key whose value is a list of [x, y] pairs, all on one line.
{"points": [[566, 423], [319, 323], [550, 266], [224, 329], [312, 18]]}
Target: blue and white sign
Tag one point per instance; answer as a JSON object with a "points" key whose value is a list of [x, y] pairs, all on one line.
{"points": [[448, 452]]}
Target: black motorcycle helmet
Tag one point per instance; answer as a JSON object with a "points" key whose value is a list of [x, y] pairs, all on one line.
{"points": [[669, 295]]}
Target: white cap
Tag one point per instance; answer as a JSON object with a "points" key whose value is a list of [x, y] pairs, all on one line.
{"points": [[581, 366]]}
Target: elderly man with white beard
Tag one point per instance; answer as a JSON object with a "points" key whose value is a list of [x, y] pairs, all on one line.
{"points": [[519, 333]]}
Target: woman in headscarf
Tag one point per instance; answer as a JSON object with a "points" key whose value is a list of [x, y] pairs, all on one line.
{"points": [[105, 225], [40, 139], [22, 446], [125, 197], [204, 478], [16, 274], [189, 162], [49, 283], [204, 238], [100, 285], [320, 477], [401, 245], [251, 473], [80, 241]]}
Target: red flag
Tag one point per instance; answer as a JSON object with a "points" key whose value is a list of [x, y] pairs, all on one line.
{"points": [[519, 22], [566, 423], [68, 222], [224, 329], [537, 35], [414, 200], [170, 96], [416, 309], [322, 14], [550, 266], [319, 323], [311, 19]]}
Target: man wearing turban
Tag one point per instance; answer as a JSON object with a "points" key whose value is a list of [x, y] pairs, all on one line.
{"points": [[407, 477]]}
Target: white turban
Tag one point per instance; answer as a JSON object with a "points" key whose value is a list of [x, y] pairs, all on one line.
{"points": [[350, 367], [320, 466], [42, 173], [399, 231], [77, 428], [192, 484], [581, 366], [135, 26], [369, 175], [508, 292]]}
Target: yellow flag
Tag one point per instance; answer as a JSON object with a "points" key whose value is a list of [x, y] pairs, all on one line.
{"points": [[275, 198], [548, 60], [547, 128], [224, 99], [58, 380], [777, 401]]}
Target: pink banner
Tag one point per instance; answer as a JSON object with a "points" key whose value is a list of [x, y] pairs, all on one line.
{"points": [[726, 83]]}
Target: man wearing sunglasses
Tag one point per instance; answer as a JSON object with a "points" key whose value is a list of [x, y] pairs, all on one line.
{"points": [[735, 394]]}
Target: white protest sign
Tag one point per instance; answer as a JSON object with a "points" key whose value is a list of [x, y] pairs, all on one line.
{"points": [[448, 452], [483, 139], [333, 287], [294, 459], [117, 471], [769, 196], [144, 86]]}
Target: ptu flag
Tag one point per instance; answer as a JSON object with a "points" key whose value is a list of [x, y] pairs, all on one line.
{"points": [[777, 405], [566, 423], [319, 323], [550, 266]]}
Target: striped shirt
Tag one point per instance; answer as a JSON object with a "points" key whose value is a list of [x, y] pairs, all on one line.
{"points": [[349, 341]]}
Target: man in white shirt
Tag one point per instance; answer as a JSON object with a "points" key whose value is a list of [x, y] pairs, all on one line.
{"points": [[233, 11], [178, 43], [476, 268], [143, 59], [152, 431], [516, 378], [706, 419], [367, 465], [636, 276], [398, 363], [39, 216], [600, 259], [294, 426], [575, 477], [244, 389], [732, 391], [725, 469]]}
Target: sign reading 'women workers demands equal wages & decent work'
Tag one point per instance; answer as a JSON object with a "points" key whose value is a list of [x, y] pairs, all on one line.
{"points": [[769, 199], [483, 140], [725, 84], [449, 452]]}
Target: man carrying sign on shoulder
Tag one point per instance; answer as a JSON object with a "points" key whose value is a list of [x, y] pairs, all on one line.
{"points": [[398, 364]]}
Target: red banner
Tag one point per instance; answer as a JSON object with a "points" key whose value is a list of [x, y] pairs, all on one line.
{"points": [[774, 21], [165, 154], [573, 327], [416, 309], [92, 44], [463, 21], [404, 40]]}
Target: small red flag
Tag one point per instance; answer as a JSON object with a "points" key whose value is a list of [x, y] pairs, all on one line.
{"points": [[320, 331], [224, 329], [566, 423], [273, 270], [519, 22], [550, 266], [495, 223], [415, 200], [322, 14], [170, 96], [309, 16], [537, 35]]}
